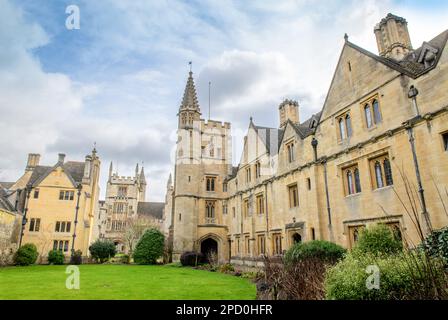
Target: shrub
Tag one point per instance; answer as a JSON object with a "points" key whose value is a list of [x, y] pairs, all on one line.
{"points": [[150, 247], [76, 258], [56, 257], [436, 244], [328, 252], [226, 268], [191, 258], [102, 250], [378, 240], [300, 280], [26, 255], [404, 276]]}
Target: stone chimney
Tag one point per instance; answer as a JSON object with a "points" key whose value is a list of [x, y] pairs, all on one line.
{"points": [[289, 110], [392, 37], [33, 161], [87, 167], [61, 158]]}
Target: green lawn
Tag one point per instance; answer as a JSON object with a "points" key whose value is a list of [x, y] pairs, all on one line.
{"points": [[123, 282]]}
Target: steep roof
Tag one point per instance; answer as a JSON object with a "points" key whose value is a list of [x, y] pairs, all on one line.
{"points": [[4, 202], [413, 65], [152, 209], [269, 136], [6, 185], [73, 169], [190, 99]]}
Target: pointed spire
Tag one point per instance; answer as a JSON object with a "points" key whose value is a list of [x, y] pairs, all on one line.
{"points": [[142, 176], [170, 182], [110, 170], [190, 99], [136, 171]]}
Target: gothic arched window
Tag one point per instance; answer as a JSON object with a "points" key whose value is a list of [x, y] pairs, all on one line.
{"points": [[342, 129], [350, 185], [376, 111], [368, 115], [357, 181], [378, 175], [388, 172], [210, 209], [348, 124]]}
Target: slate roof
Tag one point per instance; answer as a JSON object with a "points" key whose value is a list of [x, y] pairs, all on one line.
{"points": [[153, 209], [269, 136], [412, 65], [4, 202], [6, 185], [74, 169]]}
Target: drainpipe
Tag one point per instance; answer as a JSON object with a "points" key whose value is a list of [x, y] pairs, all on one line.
{"points": [[24, 219], [330, 228], [412, 94], [79, 187]]}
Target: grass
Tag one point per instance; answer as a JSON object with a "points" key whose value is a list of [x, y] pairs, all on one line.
{"points": [[123, 282]]}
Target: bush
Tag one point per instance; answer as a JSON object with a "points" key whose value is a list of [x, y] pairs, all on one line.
{"points": [[191, 258], [436, 244], [102, 250], [301, 280], [328, 252], [378, 240], [407, 276], [26, 255], [226, 268], [76, 258], [56, 257], [150, 247]]}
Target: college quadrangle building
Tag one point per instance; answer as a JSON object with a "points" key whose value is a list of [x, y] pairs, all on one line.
{"points": [[384, 120]]}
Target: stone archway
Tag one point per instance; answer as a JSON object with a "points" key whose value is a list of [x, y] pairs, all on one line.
{"points": [[209, 246], [296, 238]]}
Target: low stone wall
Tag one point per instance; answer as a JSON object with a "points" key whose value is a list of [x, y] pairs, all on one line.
{"points": [[247, 264]]}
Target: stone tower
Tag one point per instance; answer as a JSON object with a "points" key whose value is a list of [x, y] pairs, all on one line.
{"points": [[288, 110], [392, 37], [123, 195], [203, 155]]}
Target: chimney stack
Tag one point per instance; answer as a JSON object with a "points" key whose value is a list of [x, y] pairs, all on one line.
{"points": [[289, 110], [33, 161], [392, 37], [61, 158]]}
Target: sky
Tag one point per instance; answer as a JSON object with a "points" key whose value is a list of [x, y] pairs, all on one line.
{"points": [[118, 80]]}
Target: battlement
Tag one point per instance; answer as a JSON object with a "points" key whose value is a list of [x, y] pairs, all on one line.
{"points": [[214, 124], [122, 179]]}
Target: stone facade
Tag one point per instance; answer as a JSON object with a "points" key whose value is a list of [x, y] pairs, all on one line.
{"points": [[59, 203], [384, 121], [125, 200]]}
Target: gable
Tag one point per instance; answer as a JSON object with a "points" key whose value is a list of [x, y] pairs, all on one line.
{"points": [[356, 75], [57, 177]]}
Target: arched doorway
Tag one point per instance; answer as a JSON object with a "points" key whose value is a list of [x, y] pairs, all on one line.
{"points": [[296, 238], [209, 247]]}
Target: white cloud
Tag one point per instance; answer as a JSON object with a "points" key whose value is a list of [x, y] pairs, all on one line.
{"points": [[133, 67]]}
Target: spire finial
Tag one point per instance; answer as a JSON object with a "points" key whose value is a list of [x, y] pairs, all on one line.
{"points": [[191, 66], [346, 37]]}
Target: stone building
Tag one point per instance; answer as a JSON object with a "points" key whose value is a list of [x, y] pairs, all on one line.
{"points": [[125, 199], [384, 121], [10, 220], [58, 202]]}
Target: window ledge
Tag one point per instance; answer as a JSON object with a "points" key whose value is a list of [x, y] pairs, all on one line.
{"points": [[383, 188], [355, 195]]}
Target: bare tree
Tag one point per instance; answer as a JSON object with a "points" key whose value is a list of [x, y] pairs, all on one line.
{"points": [[134, 229]]}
